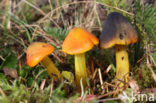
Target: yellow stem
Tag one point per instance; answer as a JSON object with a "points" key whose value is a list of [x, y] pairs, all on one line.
{"points": [[80, 69], [122, 63], [51, 68]]}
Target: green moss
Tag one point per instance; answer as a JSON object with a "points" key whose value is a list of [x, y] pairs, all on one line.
{"points": [[143, 77]]}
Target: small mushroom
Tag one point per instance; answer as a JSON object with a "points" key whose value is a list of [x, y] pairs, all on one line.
{"points": [[77, 42], [39, 51], [119, 32]]}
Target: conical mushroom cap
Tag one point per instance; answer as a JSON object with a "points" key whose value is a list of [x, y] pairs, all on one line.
{"points": [[37, 51], [79, 41], [117, 30]]}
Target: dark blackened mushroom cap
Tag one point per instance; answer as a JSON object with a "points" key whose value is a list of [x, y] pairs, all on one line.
{"points": [[117, 30]]}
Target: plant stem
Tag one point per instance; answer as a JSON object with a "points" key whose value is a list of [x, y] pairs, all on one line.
{"points": [[51, 68], [7, 22], [122, 63], [80, 69]]}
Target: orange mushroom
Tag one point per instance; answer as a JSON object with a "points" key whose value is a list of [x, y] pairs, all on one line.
{"points": [[39, 51], [77, 42]]}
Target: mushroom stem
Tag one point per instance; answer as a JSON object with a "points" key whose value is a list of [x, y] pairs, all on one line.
{"points": [[80, 69], [122, 63], [51, 68]]}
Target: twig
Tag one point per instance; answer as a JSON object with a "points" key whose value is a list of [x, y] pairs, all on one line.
{"points": [[92, 67], [1, 4], [51, 87], [110, 93], [94, 74], [153, 74], [108, 69], [141, 59], [58, 58], [79, 2], [42, 84], [8, 4], [2, 58], [33, 6], [1, 91], [114, 86], [104, 100], [36, 78], [131, 14], [101, 81], [50, 6], [38, 9], [48, 39]]}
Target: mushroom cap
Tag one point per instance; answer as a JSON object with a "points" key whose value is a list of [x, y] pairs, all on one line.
{"points": [[79, 41], [117, 31], [37, 51]]}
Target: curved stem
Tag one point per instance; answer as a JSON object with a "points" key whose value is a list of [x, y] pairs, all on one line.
{"points": [[51, 68], [122, 63], [80, 69]]}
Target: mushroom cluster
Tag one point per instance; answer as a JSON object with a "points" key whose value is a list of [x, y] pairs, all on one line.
{"points": [[116, 31]]}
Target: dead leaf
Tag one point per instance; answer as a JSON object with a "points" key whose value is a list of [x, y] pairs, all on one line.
{"points": [[11, 72], [88, 99], [149, 90], [133, 84]]}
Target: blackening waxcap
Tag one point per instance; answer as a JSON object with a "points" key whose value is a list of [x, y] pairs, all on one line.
{"points": [[117, 31]]}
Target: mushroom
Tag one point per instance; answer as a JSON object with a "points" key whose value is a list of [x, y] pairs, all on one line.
{"points": [[39, 51], [119, 32], [77, 42]]}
